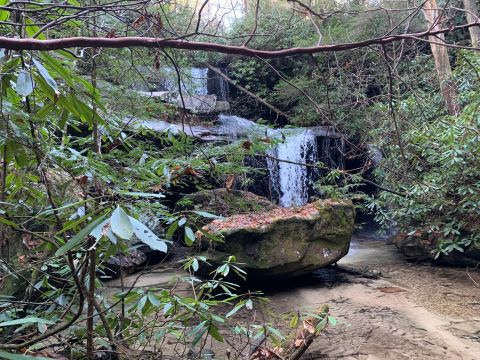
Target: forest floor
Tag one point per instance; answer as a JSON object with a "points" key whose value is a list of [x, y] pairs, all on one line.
{"points": [[412, 311]]}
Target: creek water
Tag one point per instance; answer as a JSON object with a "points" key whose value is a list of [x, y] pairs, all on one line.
{"points": [[412, 311]]}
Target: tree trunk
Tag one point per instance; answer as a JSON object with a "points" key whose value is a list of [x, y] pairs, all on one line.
{"points": [[471, 12], [434, 18]]}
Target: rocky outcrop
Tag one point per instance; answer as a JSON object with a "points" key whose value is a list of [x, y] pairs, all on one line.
{"points": [[420, 246], [284, 241], [225, 203], [201, 104]]}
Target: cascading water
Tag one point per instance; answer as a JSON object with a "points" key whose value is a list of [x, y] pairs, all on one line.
{"points": [[290, 181], [198, 81], [194, 83]]}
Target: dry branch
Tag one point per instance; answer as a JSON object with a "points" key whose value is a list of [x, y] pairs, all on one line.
{"points": [[304, 338], [160, 43]]}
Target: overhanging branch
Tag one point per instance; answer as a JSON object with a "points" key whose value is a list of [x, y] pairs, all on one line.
{"points": [[148, 42]]}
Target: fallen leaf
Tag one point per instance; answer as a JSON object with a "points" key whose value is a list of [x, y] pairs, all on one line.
{"points": [[138, 21], [230, 182], [308, 325]]}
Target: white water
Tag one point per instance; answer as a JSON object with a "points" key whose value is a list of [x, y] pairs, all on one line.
{"points": [[289, 180], [194, 81]]}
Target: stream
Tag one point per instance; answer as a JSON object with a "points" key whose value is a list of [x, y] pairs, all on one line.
{"points": [[412, 311]]}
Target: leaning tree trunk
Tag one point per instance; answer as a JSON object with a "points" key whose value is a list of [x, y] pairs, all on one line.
{"points": [[434, 18], [471, 12]]}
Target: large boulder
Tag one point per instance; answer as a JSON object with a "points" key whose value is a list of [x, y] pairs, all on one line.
{"points": [[284, 241]]}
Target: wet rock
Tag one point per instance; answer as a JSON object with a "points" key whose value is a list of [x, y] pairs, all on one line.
{"points": [[202, 104], [284, 241], [168, 96], [420, 246], [126, 262]]}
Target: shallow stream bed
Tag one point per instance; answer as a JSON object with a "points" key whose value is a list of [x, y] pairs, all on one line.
{"points": [[412, 311]]}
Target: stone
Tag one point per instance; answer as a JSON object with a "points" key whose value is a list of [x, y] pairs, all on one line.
{"points": [[167, 96], [225, 203], [222, 106], [284, 242], [203, 104], [419, 246], [129, 263]]}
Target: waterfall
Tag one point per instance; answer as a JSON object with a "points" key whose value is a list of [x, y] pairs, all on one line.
{"points": [[290, 182], [198, 81], [193, 83]]}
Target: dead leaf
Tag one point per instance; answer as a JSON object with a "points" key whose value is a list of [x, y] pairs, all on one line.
{"points": [[156, 62], [157, 188], [230, 182], [21, 259], [111, 34], [309, 326], [190, 171], [299, 342], [247, 145], [138, 21], [82, 179]]}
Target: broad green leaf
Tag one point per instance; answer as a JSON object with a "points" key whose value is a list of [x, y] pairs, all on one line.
{"points": [[4, 14], [121, 225], [153, 299], [58, 68], [32, 30], [10, 356], [189, 236], [44, 73], [145, 235], [275, 332], [332, 320], [79, 237], [25, 83], [195, 265], [26, 320], [141, 303], [235, 309], [142, 194], [167, 308], [213, 331], [294, 322], [198, 331], [207, 215]]}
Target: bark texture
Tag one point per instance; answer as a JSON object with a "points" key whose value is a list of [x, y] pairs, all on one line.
{"points": [[434, 18]]}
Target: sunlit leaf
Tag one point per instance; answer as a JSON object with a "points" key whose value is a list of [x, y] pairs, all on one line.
{"points": [[25, 83], [121, 224], [145, 235]]}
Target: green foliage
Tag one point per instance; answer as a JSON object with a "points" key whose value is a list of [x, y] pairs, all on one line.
{"points": [[440, 174]]}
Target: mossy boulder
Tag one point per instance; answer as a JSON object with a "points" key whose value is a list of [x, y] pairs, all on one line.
{"points": [[225, 203], [284, 241]]}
